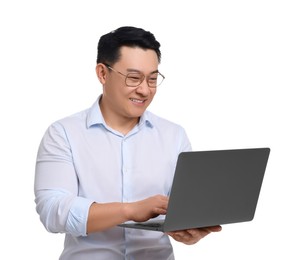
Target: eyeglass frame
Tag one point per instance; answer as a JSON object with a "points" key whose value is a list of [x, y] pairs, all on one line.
{"points": [[145, 77]]}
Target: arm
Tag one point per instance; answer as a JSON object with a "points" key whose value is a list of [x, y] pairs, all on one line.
{"points": [[60, 207], [103, 216]]}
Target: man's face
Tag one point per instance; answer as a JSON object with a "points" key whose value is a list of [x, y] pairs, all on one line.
{"points": [[130, 102]]}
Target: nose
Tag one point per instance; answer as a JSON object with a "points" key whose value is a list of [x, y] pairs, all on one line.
{"points": [[143, 88]]}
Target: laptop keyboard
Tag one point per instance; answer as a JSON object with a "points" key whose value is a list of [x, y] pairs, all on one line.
{"points": [[150, 224]]}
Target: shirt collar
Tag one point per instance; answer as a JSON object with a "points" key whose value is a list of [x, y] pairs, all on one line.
{"points": [[146, 120], [95, 116]]}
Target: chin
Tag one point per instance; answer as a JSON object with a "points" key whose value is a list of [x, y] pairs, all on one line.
{"points": [[136, 114]]}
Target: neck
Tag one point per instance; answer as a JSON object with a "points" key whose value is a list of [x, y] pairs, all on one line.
{"points": [[117, 122]]}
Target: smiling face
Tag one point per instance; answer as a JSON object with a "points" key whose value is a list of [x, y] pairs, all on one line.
{"points": [[122, 105]]}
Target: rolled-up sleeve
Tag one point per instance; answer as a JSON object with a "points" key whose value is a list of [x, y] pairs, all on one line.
{"points": [[60, 208]]}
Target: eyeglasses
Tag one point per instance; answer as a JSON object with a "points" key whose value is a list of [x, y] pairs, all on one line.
{"points": [[134, 79]]}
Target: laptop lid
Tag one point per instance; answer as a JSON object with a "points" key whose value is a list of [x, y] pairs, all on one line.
{"points": [[215, 187]]}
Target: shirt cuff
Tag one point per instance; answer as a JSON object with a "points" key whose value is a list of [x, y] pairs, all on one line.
{"points": [[78, 217]]}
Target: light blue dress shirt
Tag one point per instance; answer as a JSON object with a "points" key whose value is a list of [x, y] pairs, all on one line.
{"points": [[81, 160]]}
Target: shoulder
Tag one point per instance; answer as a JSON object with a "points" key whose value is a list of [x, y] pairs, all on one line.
{"points": [[63, 128], [159, 121], [164, 125], [77, 119], [168, 132], [82, 119]]}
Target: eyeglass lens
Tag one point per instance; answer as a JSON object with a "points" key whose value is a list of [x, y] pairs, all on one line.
{"points": [[135, 79]]}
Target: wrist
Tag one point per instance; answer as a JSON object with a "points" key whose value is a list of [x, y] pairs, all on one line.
{"points": [[126, 211]]}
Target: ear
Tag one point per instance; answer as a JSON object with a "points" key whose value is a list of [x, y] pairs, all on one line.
{"points": [[101, 72]]}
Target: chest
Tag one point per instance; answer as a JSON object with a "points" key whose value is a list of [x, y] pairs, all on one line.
{"points": [[112, 168]]}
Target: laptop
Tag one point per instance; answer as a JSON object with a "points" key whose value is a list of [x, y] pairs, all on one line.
{"points": [[212, 188]]}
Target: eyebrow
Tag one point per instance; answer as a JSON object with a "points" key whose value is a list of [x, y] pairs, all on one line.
{"points": [[135, 70]]}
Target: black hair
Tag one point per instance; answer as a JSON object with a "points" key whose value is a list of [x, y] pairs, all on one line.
{"points": [[108, 50]]}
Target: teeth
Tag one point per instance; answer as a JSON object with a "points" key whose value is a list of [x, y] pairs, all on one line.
{"points": [[136, 100]]}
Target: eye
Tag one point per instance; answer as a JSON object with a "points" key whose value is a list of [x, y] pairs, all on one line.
{"points": [[153, 77], [134, 77]]}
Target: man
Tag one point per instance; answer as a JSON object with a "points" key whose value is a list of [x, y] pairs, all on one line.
{"points": [[113, 162]]}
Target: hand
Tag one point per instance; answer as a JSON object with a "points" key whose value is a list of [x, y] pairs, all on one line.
{"points": [[146, 209], [192, 236]]}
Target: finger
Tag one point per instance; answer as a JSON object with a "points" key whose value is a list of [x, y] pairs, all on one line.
{"points": [[181, 236], [160, 211], [214, 228], [197, 234], [163, 198]]}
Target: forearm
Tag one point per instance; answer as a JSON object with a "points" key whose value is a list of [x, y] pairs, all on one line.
{"points": [[104, 216]]}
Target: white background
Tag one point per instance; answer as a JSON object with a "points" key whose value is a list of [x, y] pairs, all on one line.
{"points": [[234, 79]]}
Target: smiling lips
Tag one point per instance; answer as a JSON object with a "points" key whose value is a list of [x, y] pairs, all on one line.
{"points": [[138, 101]]}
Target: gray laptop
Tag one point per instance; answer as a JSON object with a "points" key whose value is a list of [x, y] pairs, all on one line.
{"points": [[212, 188]]}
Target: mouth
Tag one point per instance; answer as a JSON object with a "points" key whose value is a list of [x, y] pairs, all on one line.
{"points": [[137, 101]]}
